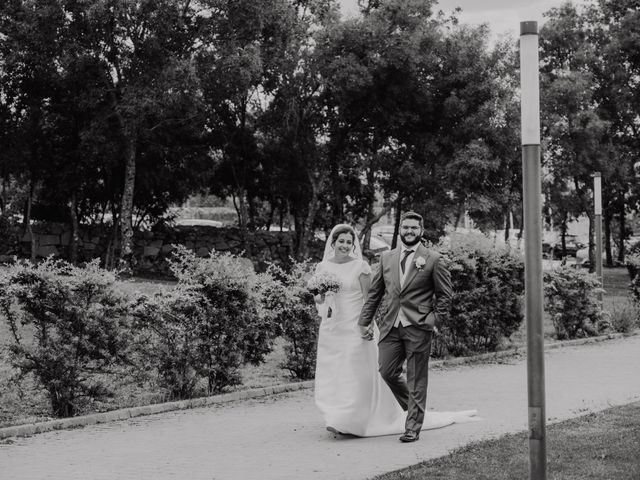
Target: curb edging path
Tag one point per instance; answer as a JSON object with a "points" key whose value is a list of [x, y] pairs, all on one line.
{"points": [[126, 413]]}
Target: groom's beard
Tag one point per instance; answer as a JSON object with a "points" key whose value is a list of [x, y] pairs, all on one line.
{"points": [[410, 242]]}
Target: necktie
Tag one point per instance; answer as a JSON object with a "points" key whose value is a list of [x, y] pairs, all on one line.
{"points": [[404, 259]]}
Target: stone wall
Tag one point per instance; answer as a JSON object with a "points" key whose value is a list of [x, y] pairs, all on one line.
{"points": [[151, 249]]}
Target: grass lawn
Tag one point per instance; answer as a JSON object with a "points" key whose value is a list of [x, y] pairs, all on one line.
{"points": [[603, 446]]}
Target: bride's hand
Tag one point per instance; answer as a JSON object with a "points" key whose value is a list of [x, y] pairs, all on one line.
{"points": [[319, 298], [366, 332]]}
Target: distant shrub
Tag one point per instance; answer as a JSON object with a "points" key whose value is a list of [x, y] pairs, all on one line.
{"points": [[488, 283], [632, 262], [68, 325], [210, 325], [294, 311], [624, 317], [571, 297]]}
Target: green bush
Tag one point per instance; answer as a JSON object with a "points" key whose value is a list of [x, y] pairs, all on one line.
{"points": [[294, 310], [633, 267], [210, 325], [632, 262], [488, 283], [571, 297], [68, 326], [169, 340], [624, 317]]}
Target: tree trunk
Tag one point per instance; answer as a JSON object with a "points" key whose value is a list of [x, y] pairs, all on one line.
{"points": [[307, 229], [75, 230], [366, 240], [27, 223], [459, 214], [282, 203], [607, 239], [240, 205], [507, 230], [110, 256], [592, 244], [623, 228], [375, 219], [396, 229], [126, 206], [4, 192], [270, 217], [251, 213]]}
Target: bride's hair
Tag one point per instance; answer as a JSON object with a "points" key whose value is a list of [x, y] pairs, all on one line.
{"points": [[340, 230]]}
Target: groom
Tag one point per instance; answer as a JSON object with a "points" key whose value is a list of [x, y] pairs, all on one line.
{"points": [[416, 286]]}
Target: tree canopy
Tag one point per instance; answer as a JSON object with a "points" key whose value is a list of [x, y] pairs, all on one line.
{"points": [[114, 110]]}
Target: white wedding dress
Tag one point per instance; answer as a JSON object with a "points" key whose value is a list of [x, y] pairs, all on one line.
{"points": [[349, 391]]}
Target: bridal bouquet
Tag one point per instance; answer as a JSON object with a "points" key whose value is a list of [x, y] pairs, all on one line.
{"points": [[323, 283]]}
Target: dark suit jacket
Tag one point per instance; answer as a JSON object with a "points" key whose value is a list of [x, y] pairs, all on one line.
{"points": [[425, 297]]}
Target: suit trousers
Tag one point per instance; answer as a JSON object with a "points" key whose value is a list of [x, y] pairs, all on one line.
{"points": [[413, 344]]}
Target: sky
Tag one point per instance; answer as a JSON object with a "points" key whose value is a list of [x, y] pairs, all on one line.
{"points": [[503, 16]]}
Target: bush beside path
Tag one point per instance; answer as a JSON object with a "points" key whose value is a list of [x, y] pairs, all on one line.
{"points": [[283, 437]]}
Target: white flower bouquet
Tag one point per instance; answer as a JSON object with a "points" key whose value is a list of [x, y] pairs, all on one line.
{"points": [[322, 283], [327, 284]]}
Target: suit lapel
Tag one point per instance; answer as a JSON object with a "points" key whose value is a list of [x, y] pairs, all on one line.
{"points": [[395, 267], [421, 251]]}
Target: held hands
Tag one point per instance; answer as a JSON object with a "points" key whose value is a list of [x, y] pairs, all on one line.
{"points": [[366, 332]]}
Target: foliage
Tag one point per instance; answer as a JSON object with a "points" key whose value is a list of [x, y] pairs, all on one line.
{"points": [[590, 110], [633, 267], [168, 325], [68, 324], [632, 262], [209, 325], [488, 283], [294, 309], [625, 318], [571, 297], [124, 108]]}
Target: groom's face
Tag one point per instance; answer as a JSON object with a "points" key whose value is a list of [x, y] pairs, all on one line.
{"points": [[410, 231]]}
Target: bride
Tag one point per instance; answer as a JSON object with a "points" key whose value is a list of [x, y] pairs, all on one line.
{"points": [[349, 391]]}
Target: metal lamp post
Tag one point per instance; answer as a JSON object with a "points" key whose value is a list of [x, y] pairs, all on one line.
{"points": [[597, 203], [530, 114]]}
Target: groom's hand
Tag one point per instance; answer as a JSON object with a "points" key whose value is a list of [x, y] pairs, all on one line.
{"points": [[366, 332]]}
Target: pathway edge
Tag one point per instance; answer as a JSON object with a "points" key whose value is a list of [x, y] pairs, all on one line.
{"points": [[29, 429]]}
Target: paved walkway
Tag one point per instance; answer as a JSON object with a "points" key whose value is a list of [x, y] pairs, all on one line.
{"points": [[283, 437]]}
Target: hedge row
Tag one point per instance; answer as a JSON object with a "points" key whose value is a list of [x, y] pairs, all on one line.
{"points": [[70, 326]]}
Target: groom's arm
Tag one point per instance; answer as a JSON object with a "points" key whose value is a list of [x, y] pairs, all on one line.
{"points": [[376, 292], [443, 290]]}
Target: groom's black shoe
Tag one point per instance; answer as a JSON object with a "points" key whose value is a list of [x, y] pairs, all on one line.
{"points": [[410, 436]]}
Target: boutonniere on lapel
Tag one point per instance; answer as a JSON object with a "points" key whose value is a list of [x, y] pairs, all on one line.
{"points": [[420, 262]]}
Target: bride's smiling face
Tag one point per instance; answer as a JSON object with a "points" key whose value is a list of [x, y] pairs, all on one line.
{"points": [[343, 246]]}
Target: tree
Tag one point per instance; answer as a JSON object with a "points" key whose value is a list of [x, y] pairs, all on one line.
{"points": [[104, 90], [575, 135], [614, 33], [244, 44]]}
